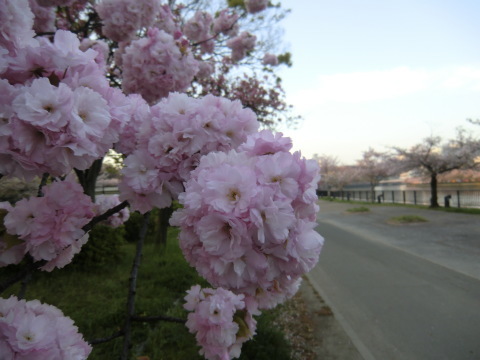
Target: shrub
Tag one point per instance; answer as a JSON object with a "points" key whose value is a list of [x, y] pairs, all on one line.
{"points": [[104, 247], [134, 224]]}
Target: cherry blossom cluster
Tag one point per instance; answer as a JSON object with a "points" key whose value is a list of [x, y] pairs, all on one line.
{"points": [[226, 23], [170, 143], [255, 6], [123, 18], [156, 65], [123, 21], [32, 330], [198, 29], [270, 59], [221, 321], [49, 227], [60, 112], [241, 45], [248, 218], [44, 17], [107, 202], [249, 204], [16, 22]]}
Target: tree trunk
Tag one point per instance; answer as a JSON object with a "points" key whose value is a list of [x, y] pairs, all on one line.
{"points": [[433, 191], [88, 178], [163, 223]]}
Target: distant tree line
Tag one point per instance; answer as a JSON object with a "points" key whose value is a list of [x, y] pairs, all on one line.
{"points": [[432, 157]]}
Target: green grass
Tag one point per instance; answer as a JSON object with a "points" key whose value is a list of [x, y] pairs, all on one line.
{"points": [[96, 300], [407, 219], [361, 209]]}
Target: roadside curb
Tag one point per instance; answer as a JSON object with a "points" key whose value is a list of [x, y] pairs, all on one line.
{"points": [[358, 344]]}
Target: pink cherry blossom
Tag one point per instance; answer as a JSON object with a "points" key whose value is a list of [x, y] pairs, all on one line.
{"points": [[167, 22], [171, 141], [205, 69], [122, 18], [254, 6], [100, 46], [137, 112], [65, 115], [247, 223], [226, 23], [241, 44], [198, 30], [23, 332], [156, 65], [106, 202], [270, 59], [51, 226], [16, 22], [266, 142], [43, 105], [220, 320], [44, 17]]}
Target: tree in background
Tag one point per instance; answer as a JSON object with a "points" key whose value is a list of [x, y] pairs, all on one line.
{"points": [[328, 171], [333, 175], [374, 167], [433, 157]]}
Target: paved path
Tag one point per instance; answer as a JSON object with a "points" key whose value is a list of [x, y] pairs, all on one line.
{"points": [[402, 292]]}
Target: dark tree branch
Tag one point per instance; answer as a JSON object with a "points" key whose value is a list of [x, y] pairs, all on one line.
{"points": [[107, 339], [158, 318], [29, 267], [43, 182], [23, 288], [104, 216], [133, 288]]}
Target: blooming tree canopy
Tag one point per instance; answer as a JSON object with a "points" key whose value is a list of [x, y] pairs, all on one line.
{"points": [[433, 157], [78, 78]]}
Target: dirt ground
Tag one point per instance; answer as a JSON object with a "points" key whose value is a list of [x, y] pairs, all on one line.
{"points": [[311, 328]]}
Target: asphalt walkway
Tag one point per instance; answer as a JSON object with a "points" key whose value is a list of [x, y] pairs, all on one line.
{"points": [[450, 240]]}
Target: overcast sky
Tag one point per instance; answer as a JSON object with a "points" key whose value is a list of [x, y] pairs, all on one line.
{"points": [[370, 73]]}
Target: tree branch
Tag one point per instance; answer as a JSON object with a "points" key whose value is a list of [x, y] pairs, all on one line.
{"points": [[107, 339], [158, 318], [133, 288], [43, 182], [104, 216], [22, 273]]}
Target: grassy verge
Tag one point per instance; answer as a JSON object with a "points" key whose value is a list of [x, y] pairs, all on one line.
{"points": [[474, 211], [361, 209], [407, 219], [95, 299]]}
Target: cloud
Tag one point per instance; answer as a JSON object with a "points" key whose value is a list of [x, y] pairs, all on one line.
{"points": [[374, 86], [462, 77]]}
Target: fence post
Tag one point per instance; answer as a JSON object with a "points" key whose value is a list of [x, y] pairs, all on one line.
{"points": [[458, 198], [393, 197], [415, 197], [404, 198]]}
